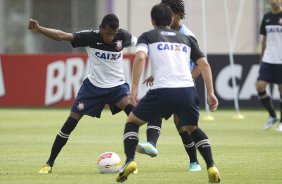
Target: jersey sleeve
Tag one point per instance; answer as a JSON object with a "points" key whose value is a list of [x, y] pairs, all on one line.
{"points": [[142, 44], [82, 38], [130, 40], [196, 53], [262, 26]]}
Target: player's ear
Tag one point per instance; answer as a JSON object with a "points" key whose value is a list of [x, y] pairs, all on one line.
{"points": [[153, 22]]}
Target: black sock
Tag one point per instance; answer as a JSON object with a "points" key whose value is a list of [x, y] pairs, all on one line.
{"points": [[128, 108], [130, 140], [61, 139], [202, 143], [267, 103], [189, 146], [154, 131]]}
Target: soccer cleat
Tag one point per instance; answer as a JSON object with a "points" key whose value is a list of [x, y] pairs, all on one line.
{"points": [[279, 127], [195, 167], [147, 149], [46, 169], [135, 171], [270, 122], [127, 169], [213, 175]]}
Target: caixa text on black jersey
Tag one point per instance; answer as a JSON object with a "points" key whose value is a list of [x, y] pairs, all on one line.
{"points": [[274, 29], [173, 46], [110, 56]]}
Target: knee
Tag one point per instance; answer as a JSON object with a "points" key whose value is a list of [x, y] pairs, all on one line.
{"points": [[191, 129], [260, 87], [181, 129], [75, 116], [133, 119]]}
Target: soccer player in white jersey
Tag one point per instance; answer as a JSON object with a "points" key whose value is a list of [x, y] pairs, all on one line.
{"points": [[173, 91], [271, 64], [105, 83], [154, 129]]}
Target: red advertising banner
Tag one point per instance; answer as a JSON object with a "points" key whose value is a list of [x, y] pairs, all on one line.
{"points": [[54, 79], [42, 79]]}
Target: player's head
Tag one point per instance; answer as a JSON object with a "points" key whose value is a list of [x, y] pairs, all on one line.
{"points": [[275, 4], [161, 15], [178, 8], [109, 27]]}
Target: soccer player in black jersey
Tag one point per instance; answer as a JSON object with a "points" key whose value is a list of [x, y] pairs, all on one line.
{"points": [[154, 129], [105, 83], [173, 91], [271, 63]]}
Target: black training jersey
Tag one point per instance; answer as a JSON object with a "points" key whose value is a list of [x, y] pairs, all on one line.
{"points": [[271, 27], [106, 67], [169, 52]]}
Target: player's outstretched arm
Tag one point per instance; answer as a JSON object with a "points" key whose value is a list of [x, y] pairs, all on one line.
{"points": [[207, 76], [54, 34]]}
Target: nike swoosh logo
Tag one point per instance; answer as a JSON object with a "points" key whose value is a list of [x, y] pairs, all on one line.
{"points": [[98, 43]]}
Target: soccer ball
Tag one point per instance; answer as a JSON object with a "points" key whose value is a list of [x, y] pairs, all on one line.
{"points": [[108, 162]]}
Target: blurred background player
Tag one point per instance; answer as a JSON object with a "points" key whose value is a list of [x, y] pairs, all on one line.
{"points": [[105, 83], [173, 91], [271, 64], [153, 130]]}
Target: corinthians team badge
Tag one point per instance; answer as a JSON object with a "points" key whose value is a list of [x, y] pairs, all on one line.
{"points": [[118, 45]]}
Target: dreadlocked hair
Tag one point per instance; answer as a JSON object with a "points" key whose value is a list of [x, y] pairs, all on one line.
{"points": [[110, 20], [177, 6]]}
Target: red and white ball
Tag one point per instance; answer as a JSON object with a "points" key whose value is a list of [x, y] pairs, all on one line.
{"points": [[109, 162]]}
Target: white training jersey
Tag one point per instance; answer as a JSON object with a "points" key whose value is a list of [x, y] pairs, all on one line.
{"points": [[106, 60], [271, 27], [169, 52]]}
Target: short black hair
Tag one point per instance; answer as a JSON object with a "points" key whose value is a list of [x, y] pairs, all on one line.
{"points": [[162, 15], [110, 20], [177, 6]]}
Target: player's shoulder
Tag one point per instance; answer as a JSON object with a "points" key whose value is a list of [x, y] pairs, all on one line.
{"points": [[162, 31], [89, 31], [267, 15], [148, 34], [186, 31], [123, 31]]}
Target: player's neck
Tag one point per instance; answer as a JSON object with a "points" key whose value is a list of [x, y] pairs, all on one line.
{"points": [[160, 27], [277, 11], [176, 27]]}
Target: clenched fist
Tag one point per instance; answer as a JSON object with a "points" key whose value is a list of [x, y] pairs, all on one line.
{"points": [[33, 25]]}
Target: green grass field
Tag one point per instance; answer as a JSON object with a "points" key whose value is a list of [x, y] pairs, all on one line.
{"points": [[242, 151]]}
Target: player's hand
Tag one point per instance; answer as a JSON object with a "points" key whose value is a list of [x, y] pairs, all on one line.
{"points": [[133, 97], [212, 102], [33, 25], [149, 81]]}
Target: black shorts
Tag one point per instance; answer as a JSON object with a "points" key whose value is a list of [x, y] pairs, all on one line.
{"points": [[271, 73], [91, 100], [162, 103]]}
